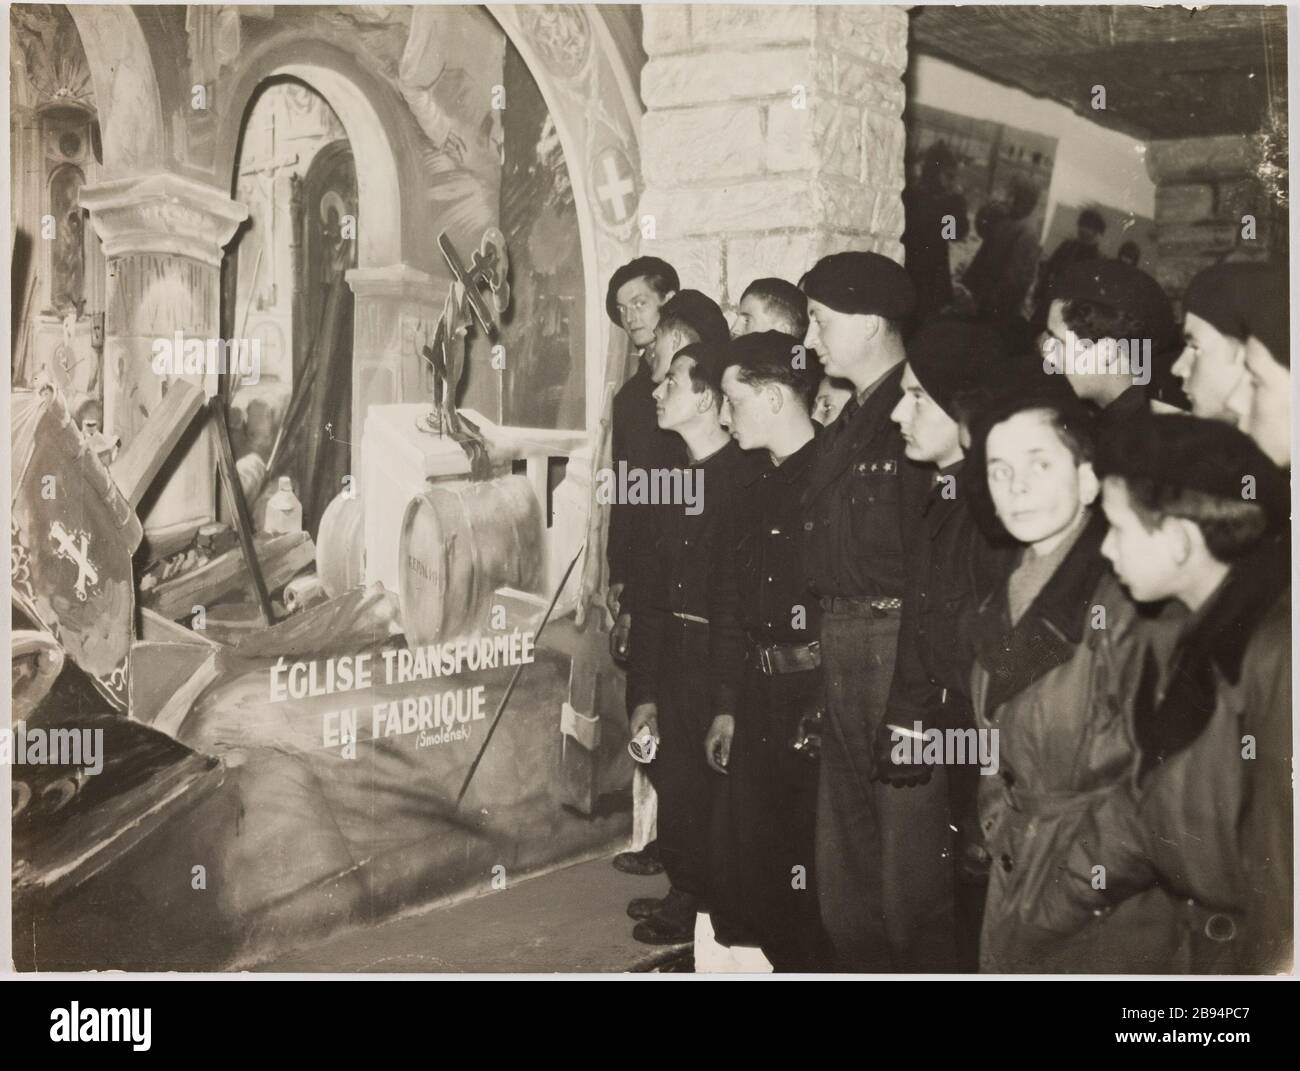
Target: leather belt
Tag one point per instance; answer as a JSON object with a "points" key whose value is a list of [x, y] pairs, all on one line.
{"points": [[860, 605], [774, 659]]}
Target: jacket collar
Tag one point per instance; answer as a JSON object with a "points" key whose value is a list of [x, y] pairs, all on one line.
{"points": [[1216, 639], [855, 427], [1048, 633]]}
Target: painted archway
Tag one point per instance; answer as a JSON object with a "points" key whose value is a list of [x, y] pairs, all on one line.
{"points": [[126, 88]]}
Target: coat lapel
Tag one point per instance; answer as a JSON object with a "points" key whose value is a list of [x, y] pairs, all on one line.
{"points": [[1050, 630]]}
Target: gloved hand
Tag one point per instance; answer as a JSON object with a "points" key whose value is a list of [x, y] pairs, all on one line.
{"points": [[892, 744]]}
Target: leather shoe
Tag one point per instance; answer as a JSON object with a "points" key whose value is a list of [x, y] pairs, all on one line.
{"points": [[659, 929], [643, 863], [645, 906]]}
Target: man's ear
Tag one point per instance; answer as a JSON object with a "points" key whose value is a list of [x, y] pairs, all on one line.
{"points": [[872, 326], [775, 398], [1185, 538], [1089, 485]]}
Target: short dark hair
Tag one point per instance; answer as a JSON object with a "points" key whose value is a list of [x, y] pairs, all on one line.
{"points": [[1093, 320], [695, 315], [1232, 527], [1069, 417], [1092, 219], [659, 275], [707, 364], [764, 357], [783, 300]]}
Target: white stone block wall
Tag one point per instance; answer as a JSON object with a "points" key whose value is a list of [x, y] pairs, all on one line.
{"points": [[741, 181]]}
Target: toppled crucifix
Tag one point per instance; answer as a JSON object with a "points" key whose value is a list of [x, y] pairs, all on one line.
{"points": [[465, 303]]}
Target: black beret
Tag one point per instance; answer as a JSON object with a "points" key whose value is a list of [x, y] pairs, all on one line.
{"points": [[952, 358], [1121, 287], [862, 283], [1244, 299], [640, 268], [1182, 451], [699, 312]]}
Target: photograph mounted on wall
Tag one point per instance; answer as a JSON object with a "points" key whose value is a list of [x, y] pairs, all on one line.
{"points": [[645, 489]]}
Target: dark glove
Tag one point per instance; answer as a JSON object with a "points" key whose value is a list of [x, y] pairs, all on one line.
{"points": [[891, 772]]}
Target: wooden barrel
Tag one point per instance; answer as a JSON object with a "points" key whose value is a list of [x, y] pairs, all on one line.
{"points": [[341, 545], [458, 545]]}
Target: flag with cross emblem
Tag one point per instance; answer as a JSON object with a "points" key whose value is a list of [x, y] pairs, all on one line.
{"points": [[72, 536]]}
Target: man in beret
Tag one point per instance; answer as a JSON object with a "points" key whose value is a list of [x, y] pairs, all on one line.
{"points": [[861, 493], [1202, 821], [952, 565], [768, 683], [1217, 310], [1110, 328], [1261, 401], [637, 291]]}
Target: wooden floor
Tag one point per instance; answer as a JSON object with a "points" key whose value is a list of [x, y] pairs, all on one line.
{"points": [[571, 920]]}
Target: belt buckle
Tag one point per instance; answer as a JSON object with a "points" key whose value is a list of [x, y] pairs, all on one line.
{"points": [[765, 660]]}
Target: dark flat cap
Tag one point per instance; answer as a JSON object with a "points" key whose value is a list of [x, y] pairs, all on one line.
{"points": [[1210, 456], [1121, 287], [956, 358], [663, 278], [862, 283], [1243, 299], [699, 312]]}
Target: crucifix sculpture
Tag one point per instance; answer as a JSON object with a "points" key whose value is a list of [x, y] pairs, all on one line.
{"points": [[465, 303]]}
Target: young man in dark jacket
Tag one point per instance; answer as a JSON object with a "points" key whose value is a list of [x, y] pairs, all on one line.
{"points": [[1051, 643], [861, 498], [952, 565], [768, 684], [669, 683]]}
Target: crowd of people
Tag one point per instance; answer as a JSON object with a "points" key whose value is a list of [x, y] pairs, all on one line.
{"points": [[975, 655]]}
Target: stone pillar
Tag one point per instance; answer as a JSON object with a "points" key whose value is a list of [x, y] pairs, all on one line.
{"points": [[397, 308], [1204, 189], [773, 136], [163, 238]]}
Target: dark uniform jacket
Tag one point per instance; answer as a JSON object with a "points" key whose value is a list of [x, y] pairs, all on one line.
{"points": [[676, 571], [637, 440], [854, 504], [760, 593], [1203, 818], [952, 566]]}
